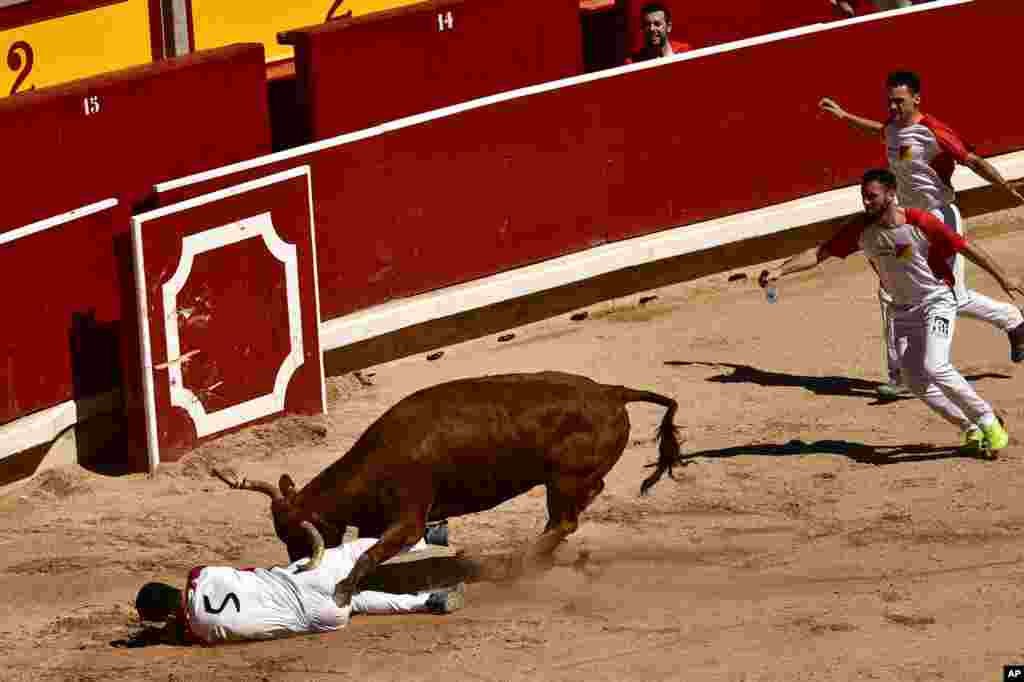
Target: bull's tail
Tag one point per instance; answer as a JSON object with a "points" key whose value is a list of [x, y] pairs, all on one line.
{"points": [[667, 436]]}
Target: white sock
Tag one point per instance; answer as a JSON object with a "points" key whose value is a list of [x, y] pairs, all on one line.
{"points": [[987, 420]]}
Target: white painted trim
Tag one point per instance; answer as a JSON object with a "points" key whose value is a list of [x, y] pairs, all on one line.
{"points": [[316, 290], [417, 119], [226, 192], [407, 312], [212, 239], [43, 426], [145, 346], [56, 221]]}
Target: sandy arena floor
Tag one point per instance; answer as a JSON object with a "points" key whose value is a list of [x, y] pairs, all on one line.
{"points": [[817, 533]]}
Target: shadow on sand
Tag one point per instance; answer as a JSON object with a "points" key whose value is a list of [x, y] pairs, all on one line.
{"points": [[828, 385], [858, 452]]}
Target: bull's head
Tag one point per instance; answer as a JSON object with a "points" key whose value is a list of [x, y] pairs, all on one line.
{"points": [[300, 536]]}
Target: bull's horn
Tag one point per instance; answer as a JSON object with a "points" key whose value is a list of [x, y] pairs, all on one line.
{"points": [[318, 547], [246, 484]]}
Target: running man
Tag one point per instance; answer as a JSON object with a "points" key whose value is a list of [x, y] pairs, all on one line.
{"points": [[910, 249], [922, 153], [223, 604]]}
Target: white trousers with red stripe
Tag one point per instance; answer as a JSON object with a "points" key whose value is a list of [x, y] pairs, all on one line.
{"points": [[1002, 316]]}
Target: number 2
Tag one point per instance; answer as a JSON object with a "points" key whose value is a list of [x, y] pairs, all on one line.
{"points": [[14, 63], [445, 21]]}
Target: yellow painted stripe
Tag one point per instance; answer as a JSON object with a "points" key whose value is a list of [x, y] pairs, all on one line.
{"points": [[222, 22], [77, 46]]}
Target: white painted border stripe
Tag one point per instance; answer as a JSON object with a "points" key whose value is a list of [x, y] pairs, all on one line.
{"points": [[316, 294], [224, 193], [577, 267], [259, 226], [42, 427], [145, 344], [56, 221], [145, 349], [481, 102]]}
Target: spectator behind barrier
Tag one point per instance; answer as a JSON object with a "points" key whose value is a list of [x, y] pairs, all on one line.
{"points": [[656, 24]]}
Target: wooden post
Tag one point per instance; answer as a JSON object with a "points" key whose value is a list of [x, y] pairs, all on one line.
{"points": [[176, 25]]}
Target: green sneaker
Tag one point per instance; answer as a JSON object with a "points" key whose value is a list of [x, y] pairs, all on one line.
{"points": [[892, 391], [996, 437], [974, 440]]}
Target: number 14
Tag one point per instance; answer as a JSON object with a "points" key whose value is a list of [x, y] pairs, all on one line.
{"points": [[445, 21]]}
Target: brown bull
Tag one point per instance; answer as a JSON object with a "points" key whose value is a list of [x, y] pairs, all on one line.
{"points": [[463, 447]]}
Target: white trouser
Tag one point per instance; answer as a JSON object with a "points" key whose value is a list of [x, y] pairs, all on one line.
{"points": [[924, 334], [381, 603], [384, 603], [1003, 316]]}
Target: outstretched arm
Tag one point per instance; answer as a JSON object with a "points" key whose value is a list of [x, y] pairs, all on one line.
{"points": [[982, 167], [172, 633], [865, 125], [805, 260], [977, 255], [843, 8]]}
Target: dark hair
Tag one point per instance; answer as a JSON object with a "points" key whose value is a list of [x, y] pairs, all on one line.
{"points": [[157, 599], [882, 175], [652, 7], [907, 78]]}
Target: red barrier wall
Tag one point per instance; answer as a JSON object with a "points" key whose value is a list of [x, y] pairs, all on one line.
{"points": [[703, 24], [115, 135], [638, 151], [355, 73], [62, 311]]}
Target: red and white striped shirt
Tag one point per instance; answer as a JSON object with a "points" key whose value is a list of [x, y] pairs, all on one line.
{"points": [[912, 260], [923, 156]]}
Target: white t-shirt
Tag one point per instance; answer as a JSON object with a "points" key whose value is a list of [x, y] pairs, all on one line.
{"points": [[923, 156], [225, 604], [912, 259]]}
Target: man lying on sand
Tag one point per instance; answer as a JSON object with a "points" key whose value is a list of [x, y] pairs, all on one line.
{"points": [[221, 604]]}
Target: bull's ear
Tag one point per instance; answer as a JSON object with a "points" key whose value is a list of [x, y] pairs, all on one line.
{"points": [[287, 486]]}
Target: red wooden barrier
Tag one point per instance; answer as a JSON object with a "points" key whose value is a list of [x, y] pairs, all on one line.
{"points": [[358, 72], [109, 136], [229, 317], [118, 133], [629, 152], [61, 310]]}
